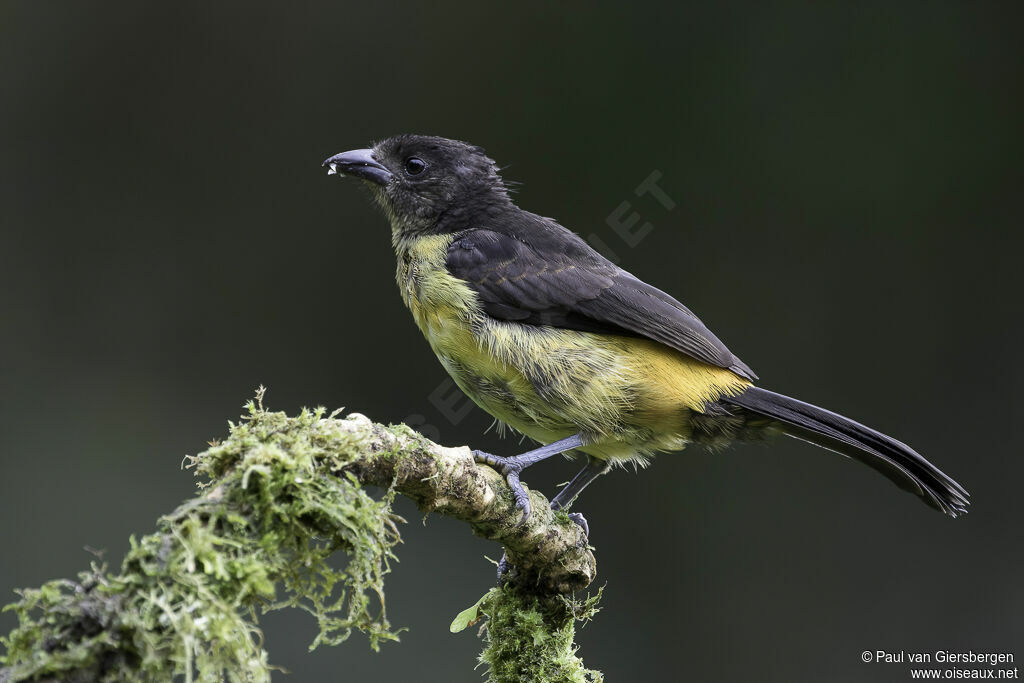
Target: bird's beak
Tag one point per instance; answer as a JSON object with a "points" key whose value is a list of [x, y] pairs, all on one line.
{"points": [[360, 163]]}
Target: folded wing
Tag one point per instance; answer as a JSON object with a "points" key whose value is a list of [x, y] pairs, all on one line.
{"points": [[557, 279]]}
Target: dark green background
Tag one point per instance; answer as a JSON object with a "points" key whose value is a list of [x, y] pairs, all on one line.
{"points": [[848, 220]]}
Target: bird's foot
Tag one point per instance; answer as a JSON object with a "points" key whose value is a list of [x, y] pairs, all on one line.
{"points": [[510, 469]]}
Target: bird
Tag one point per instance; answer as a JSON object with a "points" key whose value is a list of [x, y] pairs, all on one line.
{"points": [[557, 342]]}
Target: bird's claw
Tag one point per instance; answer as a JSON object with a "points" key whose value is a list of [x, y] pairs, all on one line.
{"points": [[503, 567], [581, 521], [510, 470]]}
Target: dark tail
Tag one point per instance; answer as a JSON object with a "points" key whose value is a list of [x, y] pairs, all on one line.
{"points": [[901, 463]]}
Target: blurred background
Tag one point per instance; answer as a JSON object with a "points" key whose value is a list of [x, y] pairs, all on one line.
{"points": [[847, 214]]}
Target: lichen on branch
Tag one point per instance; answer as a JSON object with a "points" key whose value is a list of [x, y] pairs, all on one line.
{"points": [[278, 500]]}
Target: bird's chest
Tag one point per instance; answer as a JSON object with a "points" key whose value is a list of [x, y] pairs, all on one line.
{"points": [[483, 363], [443, 306]]}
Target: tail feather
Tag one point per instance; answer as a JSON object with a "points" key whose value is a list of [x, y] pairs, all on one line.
{"points": [[899, 462]]}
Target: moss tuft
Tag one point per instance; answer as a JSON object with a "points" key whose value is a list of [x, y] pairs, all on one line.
{"points": [[530, 638], [186, 599]]}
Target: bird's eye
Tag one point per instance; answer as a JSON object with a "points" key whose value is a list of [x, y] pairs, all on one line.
{"points": [[414, 165]]}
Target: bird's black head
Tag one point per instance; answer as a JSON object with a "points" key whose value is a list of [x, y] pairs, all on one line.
{"points": [[425, 184]]}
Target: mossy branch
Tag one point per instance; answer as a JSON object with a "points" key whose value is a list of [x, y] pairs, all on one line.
{"points": [[278, 499]]}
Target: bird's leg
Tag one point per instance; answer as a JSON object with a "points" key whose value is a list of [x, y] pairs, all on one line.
{"points": [[511, 466], [591, 471]]}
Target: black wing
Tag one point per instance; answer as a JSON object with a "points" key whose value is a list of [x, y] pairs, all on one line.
{"points": [[543, 274]]}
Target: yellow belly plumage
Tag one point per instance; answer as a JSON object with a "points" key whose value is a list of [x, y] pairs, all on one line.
{"points": [[628, 396]]}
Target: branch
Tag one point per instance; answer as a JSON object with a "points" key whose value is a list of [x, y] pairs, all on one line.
{"points": [[281, 495], [549, 553]]}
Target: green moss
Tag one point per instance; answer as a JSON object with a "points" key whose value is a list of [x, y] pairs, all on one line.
{"points": [[402, 429], [275, 509], [186, 598], [530, 638]]}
